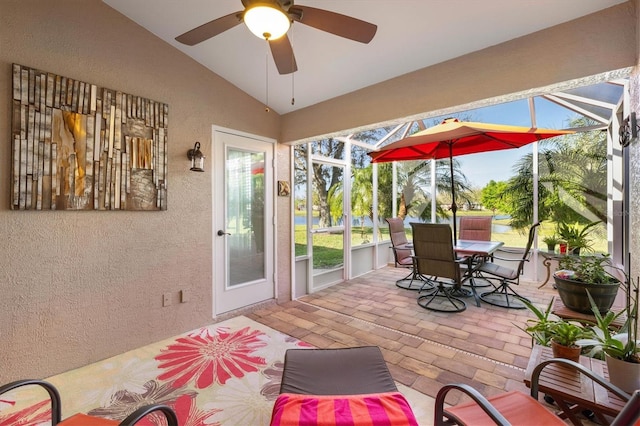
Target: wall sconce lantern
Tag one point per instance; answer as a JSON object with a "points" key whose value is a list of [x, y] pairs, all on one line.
{"points": [[628, 130], [197, 158]]}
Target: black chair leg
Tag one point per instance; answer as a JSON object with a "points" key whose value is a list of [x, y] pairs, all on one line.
{"points": [[414, 281], [441, 293], [504, 296]]}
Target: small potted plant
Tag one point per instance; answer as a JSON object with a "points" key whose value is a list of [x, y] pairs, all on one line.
{"points": [[549, 330], [620, 348], [577, 236], [551, 241], [579, 273]]}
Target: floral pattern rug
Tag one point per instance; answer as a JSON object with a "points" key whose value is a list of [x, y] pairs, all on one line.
{"points": [[225, 374]]}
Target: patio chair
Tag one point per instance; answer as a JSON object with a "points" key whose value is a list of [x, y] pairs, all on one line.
{"points": [[83, 419], [475, 228], [435, 258], [339, 386], [503, 294], [517, 408], [403, 255]]}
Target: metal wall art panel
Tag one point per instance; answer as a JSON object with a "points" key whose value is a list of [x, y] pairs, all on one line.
{"points": [[77, 146]]}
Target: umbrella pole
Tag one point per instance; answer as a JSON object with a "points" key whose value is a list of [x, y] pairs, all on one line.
{"points": [[454, 207]]}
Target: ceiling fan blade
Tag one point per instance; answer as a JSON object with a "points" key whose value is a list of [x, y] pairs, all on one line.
{"points": [[210, 29], [282, 53], [334, 23]]}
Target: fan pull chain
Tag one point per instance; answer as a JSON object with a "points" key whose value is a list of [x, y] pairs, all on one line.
{"points": [[293, 99], [266, 71]]}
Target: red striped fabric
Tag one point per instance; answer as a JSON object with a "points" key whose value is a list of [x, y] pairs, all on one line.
{"points": [[382, 409]]}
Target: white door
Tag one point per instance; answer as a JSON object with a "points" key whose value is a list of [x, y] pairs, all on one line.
{"points": [[243, 223]]}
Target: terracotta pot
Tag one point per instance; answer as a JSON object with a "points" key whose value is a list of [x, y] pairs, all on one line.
{"points": [[623, 374], [567, 352]]}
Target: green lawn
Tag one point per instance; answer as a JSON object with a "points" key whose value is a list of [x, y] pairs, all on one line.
{"points": [[328, 248]]}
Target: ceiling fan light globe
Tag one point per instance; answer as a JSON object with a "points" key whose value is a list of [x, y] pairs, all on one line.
{"points": [[266, 22]]}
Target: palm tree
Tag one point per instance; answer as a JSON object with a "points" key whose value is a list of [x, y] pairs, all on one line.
{"points": [[572, 180], [414, 180]]}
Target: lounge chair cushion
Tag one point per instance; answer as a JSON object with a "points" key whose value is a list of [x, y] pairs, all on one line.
{"points": [[389, 408]]}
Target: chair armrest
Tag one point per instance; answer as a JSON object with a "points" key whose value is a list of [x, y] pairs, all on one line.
{"points": [[54, 395], [140, 413], [535, 376], [473, 394], [630, 413], [506, 259]]}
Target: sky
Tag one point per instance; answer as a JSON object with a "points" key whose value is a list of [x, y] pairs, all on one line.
{"points": [[498, 165]]}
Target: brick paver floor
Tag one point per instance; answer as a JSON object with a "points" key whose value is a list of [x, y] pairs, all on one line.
{"points": [[480, 346]]}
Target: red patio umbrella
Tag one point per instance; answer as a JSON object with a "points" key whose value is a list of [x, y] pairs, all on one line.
{"points": [[453, 137]]}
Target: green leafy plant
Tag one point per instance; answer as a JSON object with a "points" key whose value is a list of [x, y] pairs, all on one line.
{"points": [[588, 269], [552, 239], [567, 333], [546, 327], [540, 328], [576, 235], [622, 344]]}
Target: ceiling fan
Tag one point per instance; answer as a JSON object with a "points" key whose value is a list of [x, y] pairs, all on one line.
{"points": [[271, 19]]}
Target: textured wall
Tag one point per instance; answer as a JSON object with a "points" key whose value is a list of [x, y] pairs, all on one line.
{"points": [[81, 286]]}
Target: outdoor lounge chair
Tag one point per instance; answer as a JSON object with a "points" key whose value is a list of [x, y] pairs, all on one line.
{"points": [[517, 408], [403, 255], [83, 419], [339, 386], [503, 294], [435, 258]]}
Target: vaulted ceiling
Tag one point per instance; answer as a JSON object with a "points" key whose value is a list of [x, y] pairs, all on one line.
{"points": [[411, 34]]}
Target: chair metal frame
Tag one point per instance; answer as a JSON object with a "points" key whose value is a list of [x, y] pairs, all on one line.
{"points": [[503, 294], [446, 416], [477, 228], [403, 256], [435, 258], [56, 405]]}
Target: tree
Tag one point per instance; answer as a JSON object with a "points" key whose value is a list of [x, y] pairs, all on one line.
{"points": [[491, 196], [572, 180]]}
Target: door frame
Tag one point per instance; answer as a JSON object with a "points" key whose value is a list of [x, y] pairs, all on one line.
{"points": [[218, 174]]}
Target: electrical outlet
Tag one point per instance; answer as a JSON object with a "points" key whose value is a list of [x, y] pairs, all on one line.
{"points": [[184, 296], [166, 299]]}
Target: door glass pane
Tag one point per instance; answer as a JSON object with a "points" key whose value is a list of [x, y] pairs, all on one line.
{"points": [[245, 216]]}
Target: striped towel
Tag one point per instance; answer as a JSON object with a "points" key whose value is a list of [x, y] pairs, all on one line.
{"points": [[379, 409]]}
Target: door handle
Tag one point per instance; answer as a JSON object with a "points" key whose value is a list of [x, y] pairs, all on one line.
{"points": [[221, 233]]}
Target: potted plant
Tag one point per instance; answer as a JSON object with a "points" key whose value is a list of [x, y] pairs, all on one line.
{"points": [[579, 273], [551, 241], [549, 330], [620, 348], [576, 236]]}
